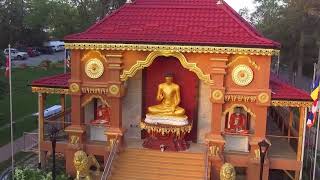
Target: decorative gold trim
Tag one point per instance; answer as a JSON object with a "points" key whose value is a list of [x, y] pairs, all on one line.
{"points": [[240, 98], [217, 95], [250, 61], [214, 151], [174, 48], [74, 87], [263, 97], [50, 90], [92, 53], [97, 97], [289, 103], [177, 130], [150, 58], [89, 90], [239, 105], [114, 89]]}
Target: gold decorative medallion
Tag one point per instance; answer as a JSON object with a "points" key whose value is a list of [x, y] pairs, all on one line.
{"points": [[94, 68], [242, 75], [114, 89], [263, 97], [217, 95], [74, 87]]}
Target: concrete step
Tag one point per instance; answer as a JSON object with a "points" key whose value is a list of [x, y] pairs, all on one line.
{"points": [[142, 164], [129, 164]]}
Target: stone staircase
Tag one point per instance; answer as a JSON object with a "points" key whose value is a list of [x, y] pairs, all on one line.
{"points": [[142, 164]]}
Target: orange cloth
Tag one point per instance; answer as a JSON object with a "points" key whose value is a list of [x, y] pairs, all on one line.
{"points": [[103, 115], [237, 122]]}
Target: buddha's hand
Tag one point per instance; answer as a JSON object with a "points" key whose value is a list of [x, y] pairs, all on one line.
{"points": [[173, 109]]}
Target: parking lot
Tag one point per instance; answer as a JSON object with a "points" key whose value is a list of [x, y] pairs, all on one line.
{"points": [[34, 61]]}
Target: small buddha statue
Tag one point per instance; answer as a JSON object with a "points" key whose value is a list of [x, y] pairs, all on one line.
{"points": [[237, 121], [102, 115], [168, 110]]}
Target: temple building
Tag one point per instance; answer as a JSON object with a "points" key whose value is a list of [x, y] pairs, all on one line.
{"points": [[174, 89]]}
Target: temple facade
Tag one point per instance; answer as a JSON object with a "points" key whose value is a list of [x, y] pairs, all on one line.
{"points": [[219, 101]]}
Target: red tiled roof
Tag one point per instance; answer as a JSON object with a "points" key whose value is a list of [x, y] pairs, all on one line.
{"points": [[183, 22], [280, 89], [56, 81], [284, 91]]}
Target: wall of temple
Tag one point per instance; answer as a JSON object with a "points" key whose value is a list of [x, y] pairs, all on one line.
{"points": [[132, 106], [204, 111]]}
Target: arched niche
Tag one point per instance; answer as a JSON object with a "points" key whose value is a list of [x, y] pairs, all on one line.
{"points": [[141, 64], [245, 111], [97, 115]]}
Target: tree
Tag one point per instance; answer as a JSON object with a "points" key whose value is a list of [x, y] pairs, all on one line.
{"points": [[295, 24]]}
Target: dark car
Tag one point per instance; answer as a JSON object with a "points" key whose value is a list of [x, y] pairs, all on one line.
{"points": [[32, 52], [45, 50]]}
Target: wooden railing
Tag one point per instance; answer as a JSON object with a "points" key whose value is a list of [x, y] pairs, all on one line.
{"points": [[113, 152]]}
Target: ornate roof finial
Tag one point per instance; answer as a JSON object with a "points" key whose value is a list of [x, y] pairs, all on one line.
{"points": [[219, 2], [129, 1]]}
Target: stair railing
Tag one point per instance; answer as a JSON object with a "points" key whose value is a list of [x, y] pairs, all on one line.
{"points": [[207, 168], [113, 151]]}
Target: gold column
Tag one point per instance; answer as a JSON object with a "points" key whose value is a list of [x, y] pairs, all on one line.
{"points": [[41, 104], [63, 109], [41, 99]]}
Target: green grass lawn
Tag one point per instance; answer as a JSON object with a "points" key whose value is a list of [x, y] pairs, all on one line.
{"points": [[24, 101]]}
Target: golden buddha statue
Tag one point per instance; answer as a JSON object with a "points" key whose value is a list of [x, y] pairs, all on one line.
{"points": [[168, 110]]}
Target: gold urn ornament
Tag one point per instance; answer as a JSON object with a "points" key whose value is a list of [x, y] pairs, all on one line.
{"points": [[242, 75], [94, 68], [227, 172]]}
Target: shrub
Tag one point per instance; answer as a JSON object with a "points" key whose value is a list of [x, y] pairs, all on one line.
{"points": [[36, 174]]}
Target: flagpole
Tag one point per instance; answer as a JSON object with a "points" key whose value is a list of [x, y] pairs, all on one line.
{"points": [[316, 149], [11, 119]]}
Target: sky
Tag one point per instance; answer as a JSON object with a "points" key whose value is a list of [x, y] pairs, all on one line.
{"points": [[239, 4]]}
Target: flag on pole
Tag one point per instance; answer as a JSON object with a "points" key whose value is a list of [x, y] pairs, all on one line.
{"points": [[315, 90], [7, 66], [313, 114]]}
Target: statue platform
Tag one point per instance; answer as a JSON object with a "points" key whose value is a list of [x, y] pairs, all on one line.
{"points": [[167, 120], [171, 137]]}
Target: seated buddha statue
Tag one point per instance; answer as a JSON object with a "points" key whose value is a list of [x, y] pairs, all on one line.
{"points": [[102, 115], [168, 110], [237, 122]]}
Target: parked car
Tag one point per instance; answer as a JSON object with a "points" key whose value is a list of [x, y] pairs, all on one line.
{"points": [[56, 45], [45, 50], [16, 54], [32, 52]]}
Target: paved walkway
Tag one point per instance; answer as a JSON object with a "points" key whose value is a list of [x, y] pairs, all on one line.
{"points": [[5, 151]]}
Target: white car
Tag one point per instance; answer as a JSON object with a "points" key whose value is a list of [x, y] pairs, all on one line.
{"points": [[15, 54]]}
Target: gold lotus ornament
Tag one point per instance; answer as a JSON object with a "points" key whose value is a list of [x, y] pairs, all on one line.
{"points": [[94, 68], [114, 89], [74, 87], [242, 75], [217, 95], [263, 97]]}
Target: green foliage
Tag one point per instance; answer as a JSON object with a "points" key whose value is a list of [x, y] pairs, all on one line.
{"points": [[293, 23], [30, 22], [36, 174]]}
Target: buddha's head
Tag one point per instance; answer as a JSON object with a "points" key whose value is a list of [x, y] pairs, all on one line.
{"points": [[168, 78]]}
